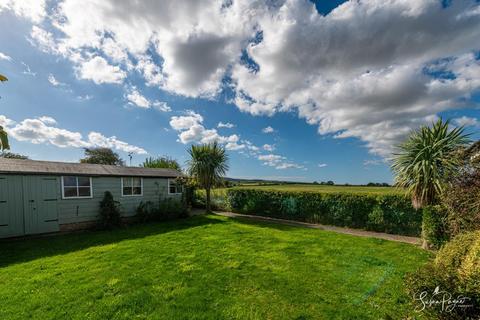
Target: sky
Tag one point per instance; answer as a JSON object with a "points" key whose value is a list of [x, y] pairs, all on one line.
{"points": [[295, 90]]}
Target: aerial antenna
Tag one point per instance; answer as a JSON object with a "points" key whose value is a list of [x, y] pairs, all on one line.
{"points": [[130, 156]]}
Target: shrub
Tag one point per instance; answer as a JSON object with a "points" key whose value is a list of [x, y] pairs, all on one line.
{"points": [[383, 213], [165, 209], [109, 211], [217, 197], [456, 272], [434, 226]]}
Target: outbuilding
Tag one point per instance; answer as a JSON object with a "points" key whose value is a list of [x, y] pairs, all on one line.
{"points": [[43, 196]]}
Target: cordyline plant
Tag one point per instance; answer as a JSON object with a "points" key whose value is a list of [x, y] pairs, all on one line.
{"points": [[426, 159], [208, 165]]}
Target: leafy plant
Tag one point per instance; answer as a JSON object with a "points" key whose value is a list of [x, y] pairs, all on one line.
{"points": [[161, 162], [109, 211], [426, 159], [4, 145], [207, 165], [11, 155], [165, 209], [102, 156]]}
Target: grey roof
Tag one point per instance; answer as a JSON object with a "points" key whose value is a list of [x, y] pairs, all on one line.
{"points": [[69, 168]]}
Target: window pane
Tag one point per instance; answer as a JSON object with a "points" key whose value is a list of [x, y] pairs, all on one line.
{"points": [[137, 182], [84, 191], [127, 191], [137, 190], [70, 181], [83, 181], [70, 192], [127, 182], [173, 189]]}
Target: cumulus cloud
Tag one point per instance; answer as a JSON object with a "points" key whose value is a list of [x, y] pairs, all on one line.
{"points": [[369, 69], [43, 130], [100, 71], [268, 130], [466, 121], [192, 130], [54, 82], [227, 125], [268, 147]]}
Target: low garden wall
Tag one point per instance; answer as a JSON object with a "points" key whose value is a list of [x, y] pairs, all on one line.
{"points": [[389, 213]]}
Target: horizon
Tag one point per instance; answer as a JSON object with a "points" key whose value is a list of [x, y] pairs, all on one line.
{"points": [[296, 91]]}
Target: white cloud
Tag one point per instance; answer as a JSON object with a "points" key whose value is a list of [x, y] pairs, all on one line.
{"points": [[27, 70], [466, 121], [100, 71], [225, 125], [268, 147], [278, 162], [31, 9], [369, 69], [54, 82], [3, 56], [43, 130], [322, 165], [268, 130], [134, 97]]}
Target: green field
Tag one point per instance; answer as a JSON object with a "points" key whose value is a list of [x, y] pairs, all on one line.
{"points": [[327, 189], [206, 267]]}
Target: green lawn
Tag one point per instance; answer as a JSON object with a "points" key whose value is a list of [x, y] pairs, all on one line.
{"points": [[327, 189], [205, 267]]}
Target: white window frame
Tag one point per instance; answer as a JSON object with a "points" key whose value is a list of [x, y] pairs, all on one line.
{"points": [[77, 197], [169, 188], [131, 195]]}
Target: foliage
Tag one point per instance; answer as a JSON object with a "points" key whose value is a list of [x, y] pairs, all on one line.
{"points": [[327, 189], [455, 270], [11, 155], [3, 78], [161, 162], [102, 156], [4, 145], [435, 226], [426, 159], [207, 165], [462, 195], [109, 211], [165, 209], [383, 213], [206, 267]]}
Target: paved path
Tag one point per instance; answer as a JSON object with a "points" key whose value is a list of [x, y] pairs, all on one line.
{"points": [[354, 232]]}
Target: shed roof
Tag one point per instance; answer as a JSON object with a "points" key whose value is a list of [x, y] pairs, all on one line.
{"points": [[20, 166]]}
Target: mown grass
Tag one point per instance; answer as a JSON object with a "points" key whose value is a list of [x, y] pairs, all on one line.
{"points": [[205, 267]]}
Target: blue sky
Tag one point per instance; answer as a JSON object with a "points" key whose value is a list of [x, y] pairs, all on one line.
{"points": [[336, 99]]}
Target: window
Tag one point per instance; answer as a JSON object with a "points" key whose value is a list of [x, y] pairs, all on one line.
{"points": [[132, 186], [174, 187], [76, 187]]}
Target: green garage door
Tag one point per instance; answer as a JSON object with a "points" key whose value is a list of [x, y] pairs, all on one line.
{"points": [[40, 196], [11, 206]]}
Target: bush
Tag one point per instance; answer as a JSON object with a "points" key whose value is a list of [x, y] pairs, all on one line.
{"points": [[434, 226], [109, 211], [383, 213], [217, 197], [166, 209], [456, 272]]}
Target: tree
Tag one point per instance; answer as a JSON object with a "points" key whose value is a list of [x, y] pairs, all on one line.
{"points": [[3, 140], [426, 159], [161, 162], [11, 155], [207, 165], [102, 156]]}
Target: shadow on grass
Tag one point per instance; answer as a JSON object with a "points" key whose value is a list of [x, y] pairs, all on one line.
{"points": [[24, 250]]}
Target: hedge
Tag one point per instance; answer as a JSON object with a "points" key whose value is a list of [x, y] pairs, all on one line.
{"points": [[388, 213]]}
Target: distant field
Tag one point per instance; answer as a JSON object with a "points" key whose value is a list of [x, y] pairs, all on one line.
{"points": [[327, 189]]}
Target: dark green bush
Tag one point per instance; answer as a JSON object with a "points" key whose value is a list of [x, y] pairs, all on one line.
{"points": [[456, 273], [165, 209], [434, 226], [383, 213], [109, 211]]}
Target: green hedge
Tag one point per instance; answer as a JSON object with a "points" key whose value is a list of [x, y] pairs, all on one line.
{"points": [[384, 213]]}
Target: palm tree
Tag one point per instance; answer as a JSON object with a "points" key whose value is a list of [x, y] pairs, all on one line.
{"points": [[3, 140], [426, 159], [207, 165], [3, 78]]}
